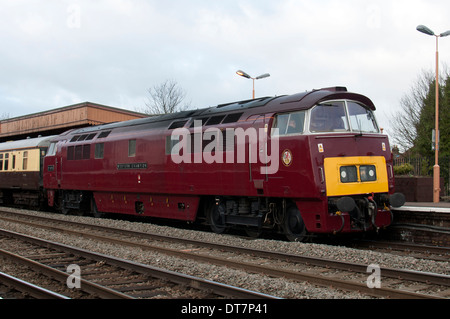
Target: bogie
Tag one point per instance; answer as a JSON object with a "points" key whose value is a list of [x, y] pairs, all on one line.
{"points": [[254, 215]]}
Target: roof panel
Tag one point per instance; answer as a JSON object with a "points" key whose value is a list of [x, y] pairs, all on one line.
{"points": [[27, 143]]}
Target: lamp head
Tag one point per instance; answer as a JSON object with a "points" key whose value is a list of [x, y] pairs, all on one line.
{"points": [[242, 73], [424, 29], [262, 76]]}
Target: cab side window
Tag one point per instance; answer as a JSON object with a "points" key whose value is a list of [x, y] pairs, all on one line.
{"points": [[51, 150], [329, 117], [289, 123]]}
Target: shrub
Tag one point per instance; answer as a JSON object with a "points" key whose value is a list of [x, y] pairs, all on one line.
{"points": [[404, 169]]}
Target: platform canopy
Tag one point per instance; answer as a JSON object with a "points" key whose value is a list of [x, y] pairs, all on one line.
{"points": [[62, 119]]}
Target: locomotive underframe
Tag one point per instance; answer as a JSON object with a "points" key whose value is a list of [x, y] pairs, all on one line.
{"points": [[369, 211], [253, 214], [362, 210]]}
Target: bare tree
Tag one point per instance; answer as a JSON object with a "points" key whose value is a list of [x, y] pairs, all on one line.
{"points": [[404, 123], [4, 116], [166, 97]]}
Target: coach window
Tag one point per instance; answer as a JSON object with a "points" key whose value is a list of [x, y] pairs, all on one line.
{"points": [[131, 148], [289, 123], [6, 161], [1, 162], [25, 161]]}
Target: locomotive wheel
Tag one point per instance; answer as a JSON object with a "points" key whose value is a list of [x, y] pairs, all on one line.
{"points": [[253, 232], [79, 212], [94, 210], [293, 225], [216, 217], [65, 211]]}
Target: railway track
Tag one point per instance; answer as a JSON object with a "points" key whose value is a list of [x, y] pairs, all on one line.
{"points": [[323, 272], [108, 277], [18, 289], [437, 253]]}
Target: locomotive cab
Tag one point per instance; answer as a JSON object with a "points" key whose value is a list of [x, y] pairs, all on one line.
{"points": [[351, 164]]}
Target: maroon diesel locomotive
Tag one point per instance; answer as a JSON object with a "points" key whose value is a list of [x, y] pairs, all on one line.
{"points": [[308, 163]]}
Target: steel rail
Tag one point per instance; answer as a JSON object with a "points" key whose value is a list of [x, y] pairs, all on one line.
{"points": [[29, 288], [61, 276], [425, 277], [438, 250], [297, 276], [183, 279]]}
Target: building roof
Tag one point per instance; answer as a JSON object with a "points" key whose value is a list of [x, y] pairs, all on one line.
{"points": [[62, 119]]}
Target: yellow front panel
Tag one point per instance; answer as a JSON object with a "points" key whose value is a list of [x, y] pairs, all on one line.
{"points": [[335, 187]]}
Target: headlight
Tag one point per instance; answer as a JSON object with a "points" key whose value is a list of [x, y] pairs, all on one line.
{"points": [[348, 174], [368, 173]]}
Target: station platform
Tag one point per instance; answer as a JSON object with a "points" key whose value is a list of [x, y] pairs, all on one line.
{"points": [[425, 223], [441, 207], [433, 215]]}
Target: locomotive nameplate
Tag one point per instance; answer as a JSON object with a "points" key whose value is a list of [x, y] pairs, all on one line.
{"points": [[132, 166]]}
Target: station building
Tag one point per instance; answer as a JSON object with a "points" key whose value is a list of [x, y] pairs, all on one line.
{"points": [[59, 120]]}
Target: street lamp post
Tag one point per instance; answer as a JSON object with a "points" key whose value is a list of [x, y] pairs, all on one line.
{"points": [[436, 168], [245, 75]]}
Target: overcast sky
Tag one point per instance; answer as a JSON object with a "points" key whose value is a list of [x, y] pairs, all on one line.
{"points": [[55, 53]]}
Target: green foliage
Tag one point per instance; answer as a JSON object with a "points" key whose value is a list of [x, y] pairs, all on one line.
{"points": [[444, 122], [422, 143], [404, 169], [424, 127]]}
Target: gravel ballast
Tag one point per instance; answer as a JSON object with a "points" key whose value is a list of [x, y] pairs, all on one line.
{"points": [[275, 286]]}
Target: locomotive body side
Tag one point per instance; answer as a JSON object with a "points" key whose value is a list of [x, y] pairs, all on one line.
{"points": [[280, 164]]}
